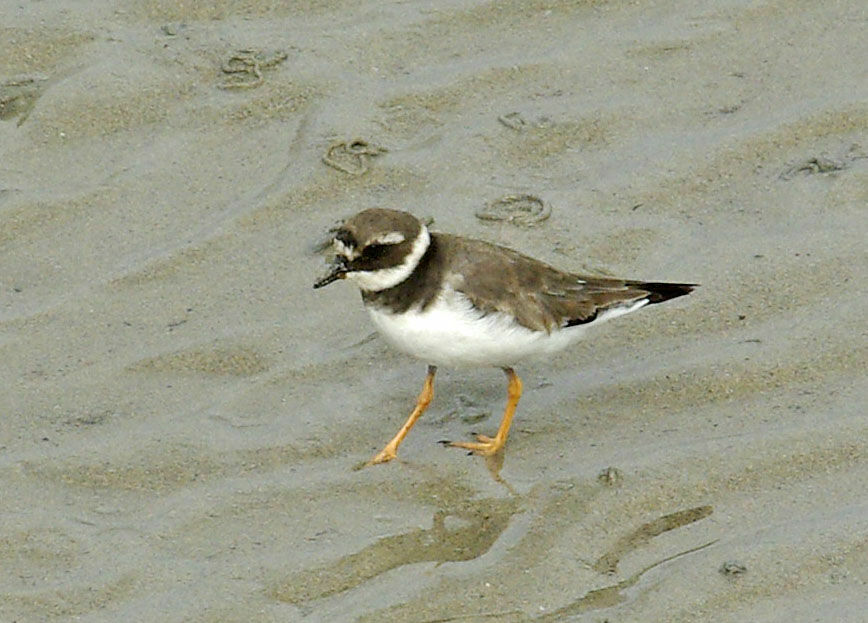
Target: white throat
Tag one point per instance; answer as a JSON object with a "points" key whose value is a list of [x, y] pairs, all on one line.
{"points": [[385, 278]]}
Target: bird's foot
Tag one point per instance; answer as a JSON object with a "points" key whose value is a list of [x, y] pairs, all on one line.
{"points": [[484, 445], [389, 453]]}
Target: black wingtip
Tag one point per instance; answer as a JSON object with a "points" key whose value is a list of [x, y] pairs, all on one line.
{"points": [[659, 292]]}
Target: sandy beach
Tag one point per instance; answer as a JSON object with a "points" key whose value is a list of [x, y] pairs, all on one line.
{"points": [[182, 413]]}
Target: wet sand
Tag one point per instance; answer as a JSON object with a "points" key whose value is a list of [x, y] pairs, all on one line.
{"points": [[182, 412]]}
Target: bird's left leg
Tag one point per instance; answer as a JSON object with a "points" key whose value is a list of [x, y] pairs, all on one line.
{"points": [[390, 452]]}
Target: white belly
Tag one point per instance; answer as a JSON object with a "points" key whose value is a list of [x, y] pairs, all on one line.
{"points": [[454, 333]]}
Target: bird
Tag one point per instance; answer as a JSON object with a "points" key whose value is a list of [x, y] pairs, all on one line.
{"points": [[460, 302]]}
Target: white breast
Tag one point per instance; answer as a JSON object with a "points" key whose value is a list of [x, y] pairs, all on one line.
{"points": [[451, 332]]}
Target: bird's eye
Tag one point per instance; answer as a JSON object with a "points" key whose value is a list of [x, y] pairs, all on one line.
{"points": [[374, 251], [345, 238]]}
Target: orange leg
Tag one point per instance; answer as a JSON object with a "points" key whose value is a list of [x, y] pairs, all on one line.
{"points": [[490, 445], [391, 450]]}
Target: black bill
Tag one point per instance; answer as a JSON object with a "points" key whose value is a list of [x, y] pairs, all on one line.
{"points": [[337, 270]]}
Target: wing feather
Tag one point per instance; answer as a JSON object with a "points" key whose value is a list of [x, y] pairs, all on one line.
{"points": [[539, 296]]}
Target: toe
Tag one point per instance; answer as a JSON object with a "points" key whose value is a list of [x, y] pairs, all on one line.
{"points": [[384, 456]]}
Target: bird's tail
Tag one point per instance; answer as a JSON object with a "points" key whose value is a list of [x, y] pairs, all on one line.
{"points": [[659, 292]]}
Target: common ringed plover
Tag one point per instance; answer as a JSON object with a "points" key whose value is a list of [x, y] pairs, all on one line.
{"points": [[453, 301]]}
